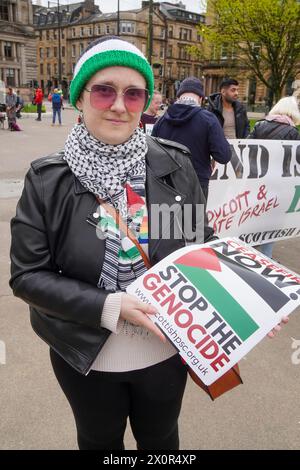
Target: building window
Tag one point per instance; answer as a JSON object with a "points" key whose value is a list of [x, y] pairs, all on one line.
{"points": [[224, 52], [48, 52], [170, 32], [198, 72], [81, 32], [49, 70], [41, 53], [14, 16], [63, 34], [162, 52], [169, 71], [162, 33], [8, 50], [214, 53], [73, 32], [107, 29], [63, 51], [4, 11], [54, 34], [170, 51], [127, 27], [42, 69], [99, 30], [10, 77], [182, 73], [183, 53], [81, 48], [55, 69], [90, 31], [185, 34], [47, 35], [74, 50], [55, 51], [255, 49], [41, 35]]}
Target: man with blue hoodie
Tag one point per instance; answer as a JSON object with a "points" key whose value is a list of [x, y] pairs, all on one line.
{"points": [[187, 123], [57, 101]]}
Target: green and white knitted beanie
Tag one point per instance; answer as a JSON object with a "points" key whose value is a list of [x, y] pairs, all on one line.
{"points": [[109, 52]]}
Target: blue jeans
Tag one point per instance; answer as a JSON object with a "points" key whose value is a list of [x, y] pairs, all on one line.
{"points": [[58, 112]]}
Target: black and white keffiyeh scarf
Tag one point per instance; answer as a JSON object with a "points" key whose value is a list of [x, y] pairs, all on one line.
{"points": [[106, 170]]}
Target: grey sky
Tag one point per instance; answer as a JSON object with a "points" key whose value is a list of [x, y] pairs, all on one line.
{"points": [[111, 5], [107, 6]]}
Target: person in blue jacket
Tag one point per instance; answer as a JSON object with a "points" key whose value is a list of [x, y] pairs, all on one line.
{"points": [[57, 102], [188, 123]]}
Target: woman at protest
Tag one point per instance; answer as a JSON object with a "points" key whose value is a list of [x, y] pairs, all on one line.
{"points": [[110, 360], [279, 124]]}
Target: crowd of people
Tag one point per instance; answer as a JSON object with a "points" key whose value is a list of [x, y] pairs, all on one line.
{"points": [[111, 362], [14, 103]]}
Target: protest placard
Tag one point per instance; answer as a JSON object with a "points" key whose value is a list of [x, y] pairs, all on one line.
{"points": [[256, 196], [216, 301]]}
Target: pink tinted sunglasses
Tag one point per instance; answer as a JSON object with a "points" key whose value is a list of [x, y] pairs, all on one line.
{"points": [[103, 96]]}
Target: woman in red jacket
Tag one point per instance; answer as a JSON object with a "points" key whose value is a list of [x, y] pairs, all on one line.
{"points": [[38, 100]]}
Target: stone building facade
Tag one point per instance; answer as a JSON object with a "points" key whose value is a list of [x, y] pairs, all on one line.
{"points": [[18, 62], [173, 29]]}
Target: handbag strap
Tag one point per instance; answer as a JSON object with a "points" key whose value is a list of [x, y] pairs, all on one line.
{"points": [[124, 229]]}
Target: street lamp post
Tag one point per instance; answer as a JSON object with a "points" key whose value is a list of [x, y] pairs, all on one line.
{"points": [[118, 19], [150, 32], [59, 44], [59, 39]]}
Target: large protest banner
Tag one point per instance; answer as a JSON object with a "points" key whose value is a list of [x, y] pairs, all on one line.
{"points": [[256, 196], [216, 301]]}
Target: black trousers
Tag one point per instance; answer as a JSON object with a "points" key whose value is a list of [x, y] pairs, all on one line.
{"points": [[102, 401], [39, 110]]}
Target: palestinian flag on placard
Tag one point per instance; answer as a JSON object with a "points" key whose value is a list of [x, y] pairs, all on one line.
{"points": [[236, 292]]}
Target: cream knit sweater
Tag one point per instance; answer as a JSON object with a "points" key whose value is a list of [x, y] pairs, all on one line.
{"points": [[129, 347]]}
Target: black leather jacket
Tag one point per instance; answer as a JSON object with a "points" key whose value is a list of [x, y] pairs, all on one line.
{"points": [[274, 130], [242, 125], [56, 257]]}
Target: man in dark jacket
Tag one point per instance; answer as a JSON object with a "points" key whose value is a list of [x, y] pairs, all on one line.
{"points": [[230, 112], [199, 130]]}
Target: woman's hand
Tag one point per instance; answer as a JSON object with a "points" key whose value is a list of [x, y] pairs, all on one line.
{"points": [[134, 311], [272, 333]]}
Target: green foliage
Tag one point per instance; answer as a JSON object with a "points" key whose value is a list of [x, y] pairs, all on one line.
{"points": [[31, 108], [252, 123], [261, 35]]}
